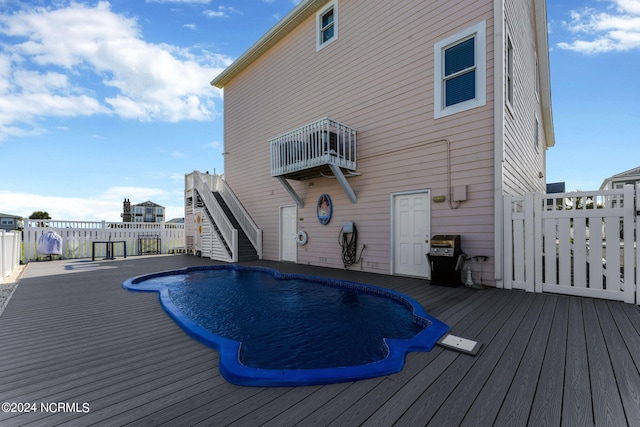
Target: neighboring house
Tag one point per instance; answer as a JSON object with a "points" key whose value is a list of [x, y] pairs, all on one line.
{"points": [[10, 222], [414, 117], [631, 176], [142, 212]]}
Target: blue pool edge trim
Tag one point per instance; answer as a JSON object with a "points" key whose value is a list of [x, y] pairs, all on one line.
{"points": [[236, 373]]}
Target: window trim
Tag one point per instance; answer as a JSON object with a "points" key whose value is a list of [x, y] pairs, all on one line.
{"points": [[477, 31], [509, 75], [536, 133], [319, 29]]}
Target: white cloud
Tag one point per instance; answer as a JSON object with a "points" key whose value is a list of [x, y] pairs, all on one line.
{"points": [[617, 29], [84, 60], [221, 12], [216, 145]]}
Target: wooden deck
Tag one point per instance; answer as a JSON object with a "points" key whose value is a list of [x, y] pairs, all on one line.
{"points": [[71, 334]]}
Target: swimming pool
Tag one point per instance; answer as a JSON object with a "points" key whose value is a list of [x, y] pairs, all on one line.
{"points": [[274, 329]]}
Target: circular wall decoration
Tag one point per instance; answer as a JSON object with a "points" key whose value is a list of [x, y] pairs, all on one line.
{"points": [[301, 237], [324, 209]]}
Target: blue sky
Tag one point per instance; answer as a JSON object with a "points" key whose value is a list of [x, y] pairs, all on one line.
{"points": [[101, 101]]}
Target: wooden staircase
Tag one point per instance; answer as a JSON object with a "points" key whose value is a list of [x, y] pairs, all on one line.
{"points": [[246, 251]]}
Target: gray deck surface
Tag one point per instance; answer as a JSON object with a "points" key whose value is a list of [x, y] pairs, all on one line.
{"points": [[72, 334]]}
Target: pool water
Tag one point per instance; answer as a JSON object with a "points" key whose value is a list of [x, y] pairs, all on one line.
{"points": [[293, 329]]}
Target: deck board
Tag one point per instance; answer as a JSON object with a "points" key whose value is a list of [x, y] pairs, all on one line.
{"points": [[524, 384], [577, 407], [546, 408], [607, 406], [502, 380], [626, 375], [72, 334]]}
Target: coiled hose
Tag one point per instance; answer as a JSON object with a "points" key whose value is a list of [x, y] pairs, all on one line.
{"points": [[349, 244]]}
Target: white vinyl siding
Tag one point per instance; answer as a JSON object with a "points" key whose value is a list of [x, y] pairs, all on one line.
{"points": [[524, 138], [460, 71]]}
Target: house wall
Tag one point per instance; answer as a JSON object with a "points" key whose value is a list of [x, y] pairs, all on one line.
{"points": [[377, 78], [524, 154]]}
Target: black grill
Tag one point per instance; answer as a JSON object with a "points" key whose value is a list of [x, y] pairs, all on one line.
{"points": [[446, 260]]}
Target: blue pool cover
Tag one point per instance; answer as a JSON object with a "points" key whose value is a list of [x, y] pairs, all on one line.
{"points": [[430, 330]]}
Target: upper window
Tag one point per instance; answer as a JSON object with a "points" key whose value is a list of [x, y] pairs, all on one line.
{"points": [[327, 25], [509, 71], [460, 71]]}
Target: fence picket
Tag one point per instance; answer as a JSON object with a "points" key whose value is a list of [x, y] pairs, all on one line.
{"points": [[579, 249], [595, 254]]}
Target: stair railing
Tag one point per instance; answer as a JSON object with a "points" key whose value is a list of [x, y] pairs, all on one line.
{"points": [[227, 232], [248, 225]]}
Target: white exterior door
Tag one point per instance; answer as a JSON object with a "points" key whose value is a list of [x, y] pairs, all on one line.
{"points": [[288, 232], [411, 225]]}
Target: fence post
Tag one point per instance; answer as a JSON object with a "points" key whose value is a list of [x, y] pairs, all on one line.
{"points": [[530, 201], [27, 236], [163, 238], [630, 235], [2, 253], [507, 262], [536, 256]]}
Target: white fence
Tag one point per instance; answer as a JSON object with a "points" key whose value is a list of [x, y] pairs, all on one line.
{"points": [[581, 243], [9, 252], [78, 237]]}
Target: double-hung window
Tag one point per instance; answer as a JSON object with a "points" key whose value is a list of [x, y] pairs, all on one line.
{"points": [[327, 25], [509, 73], [460, 71]]}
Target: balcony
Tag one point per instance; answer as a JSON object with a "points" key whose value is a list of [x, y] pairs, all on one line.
{"points": [[322, 148], [310, 151]]}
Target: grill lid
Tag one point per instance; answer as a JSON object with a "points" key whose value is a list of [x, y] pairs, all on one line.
{"points": [[446, 241]]}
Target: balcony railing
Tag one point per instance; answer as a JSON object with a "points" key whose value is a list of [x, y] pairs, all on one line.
{"points": [[307, 151]]}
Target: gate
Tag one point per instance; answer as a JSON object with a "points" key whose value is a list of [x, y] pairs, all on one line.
{"points": [[579, 243]]}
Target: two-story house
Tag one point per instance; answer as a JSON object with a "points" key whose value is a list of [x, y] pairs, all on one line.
{"points": [[10, 222], [404, 120], [142, 212], [619, 180]]}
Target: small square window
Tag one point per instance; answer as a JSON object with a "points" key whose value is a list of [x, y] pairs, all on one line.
{"points": [[460, 70], [327, 25], [536, 133], [459, 73], [509, 71]]}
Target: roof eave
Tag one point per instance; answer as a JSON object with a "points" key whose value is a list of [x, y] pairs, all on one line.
{"points": [[544, 71], [301, 12]]}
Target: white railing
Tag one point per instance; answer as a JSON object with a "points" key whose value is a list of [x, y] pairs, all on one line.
{"points": [[9, 252], [78, 236], [582, 243], [248, 226], [203, 184], [323, 142]]}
